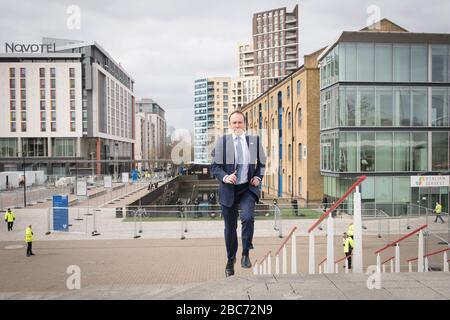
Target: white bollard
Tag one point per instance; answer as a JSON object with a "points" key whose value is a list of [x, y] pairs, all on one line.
{"points": [[357, 256], [420, 253], [260, 269], [397, 258], [330, 245], [426, 264], [384, 268], [320, 269], [378, 262], [445, 262], [284, 260], [410, 266], [265, 266], [269, 262], [255, 269], [346, 265], [392, 265], [312, 262], [336, 268], [277, 264], [294, 255]]}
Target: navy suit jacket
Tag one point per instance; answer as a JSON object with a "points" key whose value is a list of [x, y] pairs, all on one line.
{"points": [[223, 163]]}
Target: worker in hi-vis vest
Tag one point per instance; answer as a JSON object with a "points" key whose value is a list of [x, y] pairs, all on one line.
{"points": [[9, 219], [438, 211], [348, 248], [29, 240], [351, 230]]}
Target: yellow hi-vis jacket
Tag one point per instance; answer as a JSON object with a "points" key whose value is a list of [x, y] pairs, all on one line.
{"points": [[348, 244], [438, 209], [29, 235], [351, 230], [9, 216]]}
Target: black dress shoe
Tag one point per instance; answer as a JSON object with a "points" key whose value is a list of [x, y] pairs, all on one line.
{"points": [[229, 268], [245, 261]]}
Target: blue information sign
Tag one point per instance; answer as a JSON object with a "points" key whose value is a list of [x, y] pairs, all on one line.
{"points": [[61, 213], [134, 175]]}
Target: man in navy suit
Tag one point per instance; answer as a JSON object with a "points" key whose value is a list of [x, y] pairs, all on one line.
{"points": [[238, 162]]}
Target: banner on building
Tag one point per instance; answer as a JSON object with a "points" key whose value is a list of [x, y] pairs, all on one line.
{"points": [[430, 181]]}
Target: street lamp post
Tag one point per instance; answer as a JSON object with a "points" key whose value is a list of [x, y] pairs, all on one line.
{"points": [[24, 178], [24, 182], [92, 158]]}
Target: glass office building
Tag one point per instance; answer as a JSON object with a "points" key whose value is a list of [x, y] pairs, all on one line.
{"points": [[385, 114]]}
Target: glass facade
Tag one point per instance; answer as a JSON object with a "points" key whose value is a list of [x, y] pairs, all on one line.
{"points": [[384, 113]]}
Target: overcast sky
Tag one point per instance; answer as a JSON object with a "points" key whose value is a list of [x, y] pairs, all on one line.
{"points": [[165, 45]]}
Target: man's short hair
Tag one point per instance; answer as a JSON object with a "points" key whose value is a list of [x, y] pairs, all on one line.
{"points": [[234, 112]]}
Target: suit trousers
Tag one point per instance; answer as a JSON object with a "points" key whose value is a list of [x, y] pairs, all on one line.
{"points": [[244, 200]]}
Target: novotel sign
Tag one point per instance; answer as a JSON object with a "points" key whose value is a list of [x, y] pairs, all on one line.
{"points": [[29, 48]]}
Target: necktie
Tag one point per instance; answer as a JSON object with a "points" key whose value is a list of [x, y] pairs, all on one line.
{"points": [[239, 159]]}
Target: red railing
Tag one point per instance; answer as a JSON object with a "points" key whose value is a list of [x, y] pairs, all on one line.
{"points": [[322, 261], [393, 243], [342, 259], [286, 240], [388, 260], [429, 254], [337, 203], [265, 257]]}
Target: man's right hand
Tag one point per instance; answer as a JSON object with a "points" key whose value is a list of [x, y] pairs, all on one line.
{"points": [[232, 178]]}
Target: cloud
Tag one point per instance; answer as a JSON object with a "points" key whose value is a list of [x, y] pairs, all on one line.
{"points": [[166, 45]]}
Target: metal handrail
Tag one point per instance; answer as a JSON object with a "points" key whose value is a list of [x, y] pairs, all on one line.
{"points": [[286, 240], [337, 203], [393, 243]]}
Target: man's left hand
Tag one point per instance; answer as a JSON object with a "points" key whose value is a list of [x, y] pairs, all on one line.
{"points": [[254, 182]]}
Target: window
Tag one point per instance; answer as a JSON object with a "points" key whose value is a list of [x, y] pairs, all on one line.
{"points": [[24, 126], [12, 105], [300, 187], [367, 106], [439, 150], [13, 127], [53, 126], [42, 83], [22, 72], [72, 104], [365, 62], [52, 72], [13, 116], [298, 88], [401, 151], [402, 62], [300, 151], [439, 63], [402, 99], [383, 62], [420, 107], [42, 94], [42, 105], [52, 94], [72, 72], [384, 107], [288, 91], [72, 83], [367, 151], [419, 63], [53, 83], [12, 83], [72, 94], [12, 72], [43, 118], [299, 115], [290, 152], [439, 107], [289, 120], [72, 115], [419, 154], [43, 127], [42, 72], [384, 151]]}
